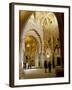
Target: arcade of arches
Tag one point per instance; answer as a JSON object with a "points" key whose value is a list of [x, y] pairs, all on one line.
{"points": [[41, 38]]}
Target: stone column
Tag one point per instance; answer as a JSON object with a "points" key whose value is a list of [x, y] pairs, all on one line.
{"points": [[21, 58]]}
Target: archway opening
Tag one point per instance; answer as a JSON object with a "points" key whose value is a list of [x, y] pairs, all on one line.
{"points": [[31, 52]]}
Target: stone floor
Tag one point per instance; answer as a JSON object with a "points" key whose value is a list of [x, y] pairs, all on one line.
{"points": [[37, 73]]}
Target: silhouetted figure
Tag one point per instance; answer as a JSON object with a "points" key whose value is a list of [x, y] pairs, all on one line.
{"points": [[53, 63], [49, 66], [39, 63], [58, 61], [45, 65], [24, 65]]}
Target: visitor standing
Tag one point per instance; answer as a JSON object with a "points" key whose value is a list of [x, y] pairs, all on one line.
{"points": [[45, 66]]}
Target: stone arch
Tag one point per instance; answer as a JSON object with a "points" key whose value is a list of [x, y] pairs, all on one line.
{"points": [[34, 58], [33, 29], [36, 35], [50, 23]]}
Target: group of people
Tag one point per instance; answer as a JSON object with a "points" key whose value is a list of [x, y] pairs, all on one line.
{"points": [[27, 66], [47, 66]]}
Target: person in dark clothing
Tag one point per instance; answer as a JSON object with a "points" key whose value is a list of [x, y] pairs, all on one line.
{"points": [[53, 63], [45, 66], [24, 65], [49, 66]]}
